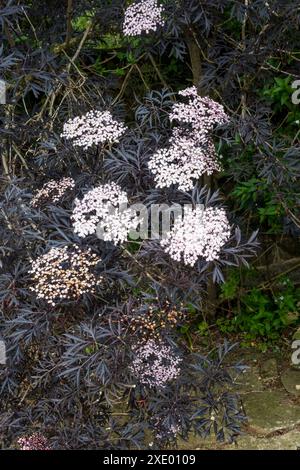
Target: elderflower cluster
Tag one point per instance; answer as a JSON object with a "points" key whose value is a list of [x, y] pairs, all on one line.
{"points": [[104, 210], [64, 274], [93, 128], [155, 364], [34, 442], [191, 151], [200, 234], [201, 113], [183, 161], [52, 191], [141, 16]]}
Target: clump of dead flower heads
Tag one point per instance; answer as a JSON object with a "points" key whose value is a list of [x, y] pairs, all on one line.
{"points": [[153, 322], [52, 191], [64, 274]]}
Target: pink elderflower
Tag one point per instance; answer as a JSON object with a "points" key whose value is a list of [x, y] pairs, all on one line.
{"points": [[183, 162], [200, 234], [191, 152], [93, 128], [52, 191], [104, 211], [202, 113], [155, 364], [142, 16], [34, 442]]}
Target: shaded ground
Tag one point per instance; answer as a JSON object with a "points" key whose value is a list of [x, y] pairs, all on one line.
{"points": [[270, 391]]}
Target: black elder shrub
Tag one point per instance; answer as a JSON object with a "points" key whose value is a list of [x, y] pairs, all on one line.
{"points": [[92, 318]]}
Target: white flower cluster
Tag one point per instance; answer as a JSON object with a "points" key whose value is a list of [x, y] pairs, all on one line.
{"points": [[202, 113], [201, 233], [155, 364], [104, 210], [191, 151], [52, 191], [184, 161], [64, 274], [93, 128], [141, 16]]}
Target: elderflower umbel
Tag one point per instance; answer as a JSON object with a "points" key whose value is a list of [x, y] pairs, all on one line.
{"points": [[183, 161], [104, 210], [52, 191], [191, 152], [93, 128], [141, 16], [155, 364], [64, 274], [201, 113], [200, 234], [34, 442]]}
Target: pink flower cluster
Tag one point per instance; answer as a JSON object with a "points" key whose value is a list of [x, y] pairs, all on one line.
{"points": [[93, 128], [155, 364], [202, 113], [191, 151], [200, 233], [34, 442], [52, 191], [141, 16], [104, 210], [64, 274], [184, 161]]}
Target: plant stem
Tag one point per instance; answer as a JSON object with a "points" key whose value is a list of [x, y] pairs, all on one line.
{"points": [[195, 59], [69, 22]]}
